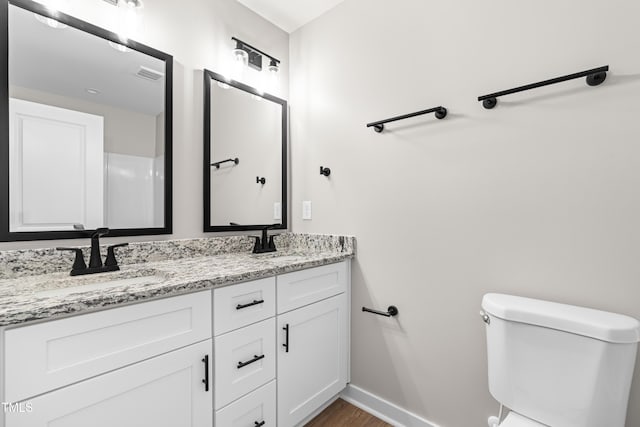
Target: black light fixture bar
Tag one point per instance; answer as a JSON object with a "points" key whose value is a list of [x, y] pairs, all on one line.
{"points": [[594, 77], [378, 126], [255, 49], [217, 164]]}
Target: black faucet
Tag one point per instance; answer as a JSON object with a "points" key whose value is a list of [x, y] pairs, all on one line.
{"points": [[263, 245], [95, 260]]}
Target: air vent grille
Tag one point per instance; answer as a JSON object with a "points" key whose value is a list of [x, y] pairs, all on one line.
{"points": [[149, 74]]}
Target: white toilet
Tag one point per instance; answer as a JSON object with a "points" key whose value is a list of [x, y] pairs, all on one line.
{"points": [[559, 365]]}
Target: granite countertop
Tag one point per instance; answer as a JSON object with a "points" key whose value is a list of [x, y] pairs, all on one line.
{"points": [[49, 296]]}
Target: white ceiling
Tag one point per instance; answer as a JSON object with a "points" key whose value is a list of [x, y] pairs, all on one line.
{"points": [[67, 61], [290, 14]]}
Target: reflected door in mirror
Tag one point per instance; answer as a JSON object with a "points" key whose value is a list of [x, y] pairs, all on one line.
{"points": [[56, 159]]}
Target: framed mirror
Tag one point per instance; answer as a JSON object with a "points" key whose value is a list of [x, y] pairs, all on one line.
{"points": [[245, 157], [85, 129]]}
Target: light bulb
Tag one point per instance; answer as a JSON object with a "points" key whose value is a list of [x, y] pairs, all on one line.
{"points": [[240, 61], [54, 7], [241, 56], [273, 68], [273, 76], [129, 19]]}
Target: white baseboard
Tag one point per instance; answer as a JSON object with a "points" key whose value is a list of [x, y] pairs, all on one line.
{"points": [[383, 409]]}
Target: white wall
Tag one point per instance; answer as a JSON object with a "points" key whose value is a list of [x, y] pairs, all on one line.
{"points": [[125, 132], [198, 35], [538, 197]]}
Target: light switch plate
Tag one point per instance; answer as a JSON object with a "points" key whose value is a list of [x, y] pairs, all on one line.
{"points": [[306, 209], [277, 211]]}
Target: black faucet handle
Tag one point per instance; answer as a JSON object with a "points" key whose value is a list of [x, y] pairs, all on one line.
{"points": [[272, 244], [257, 245], [78, 263], [111, 260]]}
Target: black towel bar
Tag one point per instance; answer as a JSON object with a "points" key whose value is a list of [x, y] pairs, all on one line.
{"points": [[217, 164], [392, 310], [378, 126], [594, 77]]}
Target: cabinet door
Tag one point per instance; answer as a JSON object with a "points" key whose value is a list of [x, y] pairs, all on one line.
{"points": [[312, 358], [166, 391]]}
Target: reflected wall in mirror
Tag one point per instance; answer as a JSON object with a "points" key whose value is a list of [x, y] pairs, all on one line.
{"points": [[86, 129], [245, 157]]}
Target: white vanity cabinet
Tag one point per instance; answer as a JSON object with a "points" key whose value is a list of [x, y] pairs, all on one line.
{"points": [[313, 330], [164, 391], [281, 346], [140, 365], [270, 352]]}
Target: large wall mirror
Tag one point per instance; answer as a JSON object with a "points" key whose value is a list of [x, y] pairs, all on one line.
{"points": [[245, 157], [86, 128]]}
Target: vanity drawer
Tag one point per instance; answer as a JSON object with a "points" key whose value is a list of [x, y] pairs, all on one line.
{"points": [[251, 410], [305, 287], [53, 354], [245, 359], [241, 305]]}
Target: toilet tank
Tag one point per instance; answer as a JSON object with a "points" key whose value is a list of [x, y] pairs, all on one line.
{"points": [[558, 364]]}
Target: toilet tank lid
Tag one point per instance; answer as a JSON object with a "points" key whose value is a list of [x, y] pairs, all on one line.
{"points": [[602, 325]]}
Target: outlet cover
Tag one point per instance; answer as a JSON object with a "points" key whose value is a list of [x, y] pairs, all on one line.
{"points": [[306, 209], [277, 211]]}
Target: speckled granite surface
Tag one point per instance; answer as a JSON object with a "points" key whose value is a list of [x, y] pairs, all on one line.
{"points": [[35, 284]]}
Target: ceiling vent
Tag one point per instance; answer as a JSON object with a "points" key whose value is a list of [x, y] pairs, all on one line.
{"points": [[149, 74]]}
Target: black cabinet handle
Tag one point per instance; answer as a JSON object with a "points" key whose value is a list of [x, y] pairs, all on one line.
{"points": [[251, 304], [259, 424], [249, 362], [205, 360], [286, 338]]}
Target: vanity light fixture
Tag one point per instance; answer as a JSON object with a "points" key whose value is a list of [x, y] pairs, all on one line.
{"points": [[246, 55], [129, 24]]}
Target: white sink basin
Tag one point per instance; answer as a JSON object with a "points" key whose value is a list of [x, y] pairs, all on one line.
{"points": [[101, 285], [286, 258]]}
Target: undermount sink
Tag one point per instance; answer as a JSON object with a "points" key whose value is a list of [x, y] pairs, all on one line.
{"points": [[286, 258], [99, 282]]}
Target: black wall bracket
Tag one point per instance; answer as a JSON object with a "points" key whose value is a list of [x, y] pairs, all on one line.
{"points": [[594, 77], [392, 310]]}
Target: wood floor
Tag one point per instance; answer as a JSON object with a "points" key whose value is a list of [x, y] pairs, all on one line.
{"points": [[343, 414]]}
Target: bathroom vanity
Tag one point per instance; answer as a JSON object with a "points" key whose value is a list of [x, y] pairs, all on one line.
{"points": [[219, 339]]}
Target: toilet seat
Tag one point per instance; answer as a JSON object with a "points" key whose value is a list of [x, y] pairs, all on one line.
{"points": [[517, 420]]}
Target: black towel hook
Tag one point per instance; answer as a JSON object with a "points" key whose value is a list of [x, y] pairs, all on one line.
{"points": [[325, 171]]}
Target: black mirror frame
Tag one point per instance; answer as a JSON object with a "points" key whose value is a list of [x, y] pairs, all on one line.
{"points": [[209, 76], [5, 234]]}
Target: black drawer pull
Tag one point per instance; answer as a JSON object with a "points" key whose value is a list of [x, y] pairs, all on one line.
{"points": [[205, 360], [259, 424], [251, 304], [255, 359], [286, 338]]}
